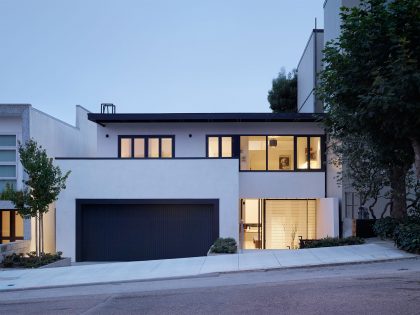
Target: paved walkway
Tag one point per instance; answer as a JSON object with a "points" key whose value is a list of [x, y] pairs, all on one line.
{"points": [[195, 266]]}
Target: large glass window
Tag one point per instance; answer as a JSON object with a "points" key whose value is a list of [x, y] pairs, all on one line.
{"points": [[146, 146], [280, 153], [219, 147], [253, 153], [309, 153]]}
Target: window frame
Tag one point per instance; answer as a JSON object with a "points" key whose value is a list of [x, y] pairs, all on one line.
{"points": [[12, 228], [295, 136], [146, 146], [10, 163], [219, 137]]}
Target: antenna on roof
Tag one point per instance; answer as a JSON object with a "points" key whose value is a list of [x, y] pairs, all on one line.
{"points": [[315, 23]]}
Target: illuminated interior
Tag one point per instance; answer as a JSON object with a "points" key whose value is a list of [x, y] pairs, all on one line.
{"points": [[11, 226], [253, 153], [277, 223], [280, 153]]}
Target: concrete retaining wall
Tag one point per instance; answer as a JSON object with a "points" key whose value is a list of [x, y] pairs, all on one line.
{"points": [[15, 247]]}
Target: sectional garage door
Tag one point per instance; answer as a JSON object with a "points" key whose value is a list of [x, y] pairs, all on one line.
{"points": [[125, 230]]}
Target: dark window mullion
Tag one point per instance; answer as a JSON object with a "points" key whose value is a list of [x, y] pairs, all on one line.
{"points": [[132, 148], [160, 147], [295, 162], [308, 156], [266, 153], [219, 139], [12, 226]]}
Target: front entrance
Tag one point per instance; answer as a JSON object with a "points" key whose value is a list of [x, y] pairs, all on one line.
{"points": [[277, 223]]}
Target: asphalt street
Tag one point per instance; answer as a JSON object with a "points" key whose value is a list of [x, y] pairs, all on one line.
{"points": [[376, 288]]}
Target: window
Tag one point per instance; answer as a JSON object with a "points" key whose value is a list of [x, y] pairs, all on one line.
{"points": [[11, 226], [309, 153], [253, 153], [219, 147], [8, 161], [146, 146], [280, 153]]}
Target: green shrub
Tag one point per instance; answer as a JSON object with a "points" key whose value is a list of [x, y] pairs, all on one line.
{"points": [[385, 227], [31, 260], [224, 245], [407, 237], [331, 241]]}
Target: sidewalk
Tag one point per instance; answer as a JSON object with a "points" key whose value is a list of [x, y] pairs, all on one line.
{"points": [[196, 266]]}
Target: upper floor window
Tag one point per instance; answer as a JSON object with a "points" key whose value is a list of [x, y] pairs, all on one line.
{"points": [[146, 146], [219, 146], [8, 161], [280, 153], [309, 153]]}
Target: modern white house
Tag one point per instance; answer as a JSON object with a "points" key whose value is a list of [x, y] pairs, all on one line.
{"points": [[168, 185]]}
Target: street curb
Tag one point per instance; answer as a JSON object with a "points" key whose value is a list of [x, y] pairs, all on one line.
{"points": [[208, 275]]}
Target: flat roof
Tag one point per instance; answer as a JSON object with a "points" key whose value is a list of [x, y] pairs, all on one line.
{"points": [[203, 117]]}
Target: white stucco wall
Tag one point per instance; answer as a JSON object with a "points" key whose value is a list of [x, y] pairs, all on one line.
{"points": [[195, 146], [61, 139], [306, 74], [327, 217], [332, 20], [148, 179], [282, 185]]}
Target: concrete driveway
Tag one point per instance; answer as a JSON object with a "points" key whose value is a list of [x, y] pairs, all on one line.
{"points": [[196, 266]]}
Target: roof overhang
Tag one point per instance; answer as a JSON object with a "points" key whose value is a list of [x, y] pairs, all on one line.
{"points": [[103, 119]]}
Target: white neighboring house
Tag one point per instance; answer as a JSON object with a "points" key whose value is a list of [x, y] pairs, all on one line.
{"points": [[19, 123]]}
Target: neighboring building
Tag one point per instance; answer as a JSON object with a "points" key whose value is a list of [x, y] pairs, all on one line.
{"points": [[167, 185], [309, 66], [19, 123]]}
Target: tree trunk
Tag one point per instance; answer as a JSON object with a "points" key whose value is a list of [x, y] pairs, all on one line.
{"points": [[36, 236], [41, 233], [398, 192], [416, 147]]}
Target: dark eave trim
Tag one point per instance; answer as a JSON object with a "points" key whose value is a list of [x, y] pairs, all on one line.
{"points": [[202, 117]]}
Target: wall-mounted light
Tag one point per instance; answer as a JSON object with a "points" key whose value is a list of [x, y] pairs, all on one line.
{"points": [[272, 142]]}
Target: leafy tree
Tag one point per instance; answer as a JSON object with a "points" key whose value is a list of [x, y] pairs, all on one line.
{"points": [[371, 88], [45, 181], [283, 95]]}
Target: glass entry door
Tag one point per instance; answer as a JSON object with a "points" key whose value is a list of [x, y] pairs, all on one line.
{"points": [[252, 227]]}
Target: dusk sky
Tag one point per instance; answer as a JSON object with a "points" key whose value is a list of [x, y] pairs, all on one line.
{"points": [[149, 55]]}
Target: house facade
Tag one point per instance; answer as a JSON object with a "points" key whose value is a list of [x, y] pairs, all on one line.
{"points": [[168, 185]]}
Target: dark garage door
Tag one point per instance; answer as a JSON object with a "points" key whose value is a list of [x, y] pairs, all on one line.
{"points": [[127, 230]]}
